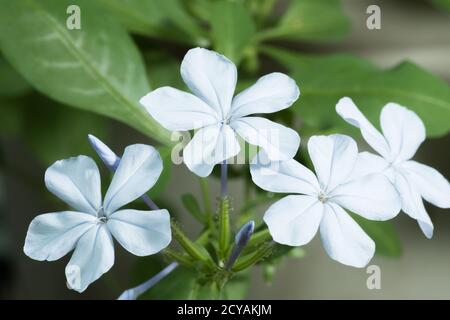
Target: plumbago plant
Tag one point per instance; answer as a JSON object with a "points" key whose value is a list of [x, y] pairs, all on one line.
{"points": [[373, 187], [332, 188]]}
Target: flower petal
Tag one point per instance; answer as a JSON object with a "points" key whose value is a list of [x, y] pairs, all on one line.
{"points": [[278, 141], [368, 163], [283, 176], [51, 236], [347, 109], [334, 158], [343, 238], [294, 220], [109, 158], [412, 203], [177, 110], [76, 181], [93, 256], [209, 146], [211, 77], [138, 171], [271, 93], [403, 129], [432, 185], [141, 232], [373, 196]]}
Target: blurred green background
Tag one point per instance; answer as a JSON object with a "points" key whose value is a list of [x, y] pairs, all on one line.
{"points": [[58, 85]]}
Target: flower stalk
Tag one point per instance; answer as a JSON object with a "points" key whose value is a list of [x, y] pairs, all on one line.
{"points": [[224, 227], [194, 250], [223, 179], [134, 293], [253, 258], [206, 202], [178, 257]]}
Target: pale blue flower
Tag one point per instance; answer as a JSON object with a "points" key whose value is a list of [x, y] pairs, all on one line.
{"points": [[318, 201], [219, 116], [402, 134], [93, 224]]}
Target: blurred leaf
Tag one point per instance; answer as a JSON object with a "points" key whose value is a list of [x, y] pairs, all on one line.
{"points": [[323, 80], [280, 251], [11, 116], [232, 28], [55, 132], [179, 283], [442, 4], [166, 19], [384, 235], [163, 70], [139, 16], [317, 20], [5, 234], [11, 83], [200, 8], [51, 130], [261, 10], [179, 17], [236, 288], [163, 180], [264, 198], [192, 206], [97, 68], [145, 268], [271, 265]]}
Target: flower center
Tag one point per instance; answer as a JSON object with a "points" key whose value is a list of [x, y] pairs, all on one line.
{"points": [[101, 216], [226, 121], [102, 219], [322, 197]]}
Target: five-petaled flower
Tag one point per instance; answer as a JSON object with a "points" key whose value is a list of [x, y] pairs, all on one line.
{"points": [[340, 183], [91, 228], [403, 132], [211, 108]]}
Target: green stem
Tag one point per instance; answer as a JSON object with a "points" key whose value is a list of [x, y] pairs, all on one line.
{"points": [[183, 258], [193, 294], [265, 8], [203, 238], [216, 290], [224, 227], [178, 257], [206, 201], [251, 259], [194, 250], [269, 34]]}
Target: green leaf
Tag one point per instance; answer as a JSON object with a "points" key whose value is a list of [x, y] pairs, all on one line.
{"points": [[323, 80], [11, 83], [48, 128], [163, 180], [442, 4], [232, 28], [11, 117], [166, 19], [192, 206], [178, 285], [97, 68], [384, 235], [163, 70], [139, 16], [181, 19], [318, 20]]}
